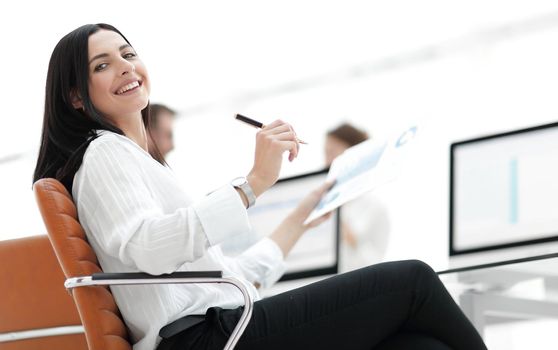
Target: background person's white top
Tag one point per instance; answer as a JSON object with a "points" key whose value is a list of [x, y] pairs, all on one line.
{"points": [[138, 218], [368, 219]]}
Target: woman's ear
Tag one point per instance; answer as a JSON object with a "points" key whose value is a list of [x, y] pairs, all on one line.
{"points": [[76, 99]]}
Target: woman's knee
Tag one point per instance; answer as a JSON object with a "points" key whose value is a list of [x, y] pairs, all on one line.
{"points": [[419, 269], [407, 273], [420, 265], [414, 266]]}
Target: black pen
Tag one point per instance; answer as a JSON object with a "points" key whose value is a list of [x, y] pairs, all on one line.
{"points": [[259, 125]]}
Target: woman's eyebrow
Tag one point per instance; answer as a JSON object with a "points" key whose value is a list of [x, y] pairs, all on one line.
{"points": [[101, 55]]}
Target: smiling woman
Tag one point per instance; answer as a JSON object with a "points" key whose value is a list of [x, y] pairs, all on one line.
{"points": [[119, 83], [103, 85], [138, 218]]}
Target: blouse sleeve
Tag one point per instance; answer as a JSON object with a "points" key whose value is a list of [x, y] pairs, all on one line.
{"points": [[128, 223], [263, 263]]}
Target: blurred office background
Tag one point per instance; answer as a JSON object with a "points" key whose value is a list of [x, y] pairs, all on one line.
{"points": [[456, 69]]}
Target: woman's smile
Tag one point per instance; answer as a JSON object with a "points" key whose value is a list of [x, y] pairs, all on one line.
{"points": [[129, 88]]}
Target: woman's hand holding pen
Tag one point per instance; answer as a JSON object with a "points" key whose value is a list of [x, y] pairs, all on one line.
{"points": [[271, 142]]}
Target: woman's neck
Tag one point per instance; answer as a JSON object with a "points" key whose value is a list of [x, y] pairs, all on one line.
{"points": [[135, 131]]}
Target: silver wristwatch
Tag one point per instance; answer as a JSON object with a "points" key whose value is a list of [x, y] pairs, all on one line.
{"points": [[242, 184]]}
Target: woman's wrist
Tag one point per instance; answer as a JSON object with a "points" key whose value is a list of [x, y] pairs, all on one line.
{"points": [[287, 234], [295, 224], [242, 197], [256, 184]]}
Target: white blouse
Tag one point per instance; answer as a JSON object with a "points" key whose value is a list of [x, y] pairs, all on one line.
{"points": [[138, 218]]}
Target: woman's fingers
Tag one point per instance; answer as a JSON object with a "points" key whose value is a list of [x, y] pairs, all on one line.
{"points": [[314, 197], [271, 143], [307, 205], [281, 131], [293, 145], [319, 192], [318, 221], [280, 127], [313, 200], [273, 124], [276, 129]]}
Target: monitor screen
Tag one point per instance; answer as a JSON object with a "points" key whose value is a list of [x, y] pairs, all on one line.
{"points": [[316, 253], [504, 190]]}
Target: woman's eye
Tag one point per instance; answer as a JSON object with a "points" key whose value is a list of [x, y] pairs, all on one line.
{"points": [[129, 55], [100, 67]]}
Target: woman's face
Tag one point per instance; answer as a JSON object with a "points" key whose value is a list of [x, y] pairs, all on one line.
{"points": [[118, 80]]}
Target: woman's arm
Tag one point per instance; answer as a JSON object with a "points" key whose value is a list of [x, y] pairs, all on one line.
{"points": [[293, 227], [125, 221], [263, 263], [271, 142]]}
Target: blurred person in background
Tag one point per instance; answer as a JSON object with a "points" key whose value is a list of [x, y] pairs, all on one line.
{"points": [[160, 128], [365, 223]]}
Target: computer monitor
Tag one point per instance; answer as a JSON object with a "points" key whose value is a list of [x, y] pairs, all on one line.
{"points": [[504, 196], [317, 251]]}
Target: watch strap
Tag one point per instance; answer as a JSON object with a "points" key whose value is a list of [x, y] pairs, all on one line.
{"points": [[243, 185]]}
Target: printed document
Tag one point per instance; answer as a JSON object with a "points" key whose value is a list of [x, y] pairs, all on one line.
{"points": [[363, 168]]}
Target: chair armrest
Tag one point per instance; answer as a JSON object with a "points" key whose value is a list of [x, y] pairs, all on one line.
{"points": [[134, 278], [181, 277], [142, 275]]}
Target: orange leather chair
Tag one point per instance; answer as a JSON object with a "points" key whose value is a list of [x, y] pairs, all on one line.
{"points": [[104, 327], [36, 312]]}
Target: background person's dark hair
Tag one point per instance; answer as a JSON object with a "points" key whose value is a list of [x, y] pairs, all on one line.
{"points": [[68, 131], [348, 134], [155, 110]]}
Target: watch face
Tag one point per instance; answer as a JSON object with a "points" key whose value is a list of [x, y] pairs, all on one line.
{"points": [[239, 181]]}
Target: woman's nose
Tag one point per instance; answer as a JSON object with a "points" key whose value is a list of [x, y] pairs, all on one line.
{"points": [[127, 67]]}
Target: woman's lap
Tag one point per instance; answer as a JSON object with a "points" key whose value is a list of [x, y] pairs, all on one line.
{"points": [[356, 310]]}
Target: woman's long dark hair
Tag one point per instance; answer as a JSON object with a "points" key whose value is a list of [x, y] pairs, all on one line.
{"points": [[68, 131]]}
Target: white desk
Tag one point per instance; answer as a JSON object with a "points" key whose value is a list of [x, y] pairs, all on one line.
{"points": [[507, 291]]}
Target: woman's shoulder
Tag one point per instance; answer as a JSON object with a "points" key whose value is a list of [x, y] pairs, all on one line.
{"points": [[107, 137], [108, 145]]}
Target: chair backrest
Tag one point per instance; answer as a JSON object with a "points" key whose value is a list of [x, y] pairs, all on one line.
{"points": [[33, 302], [104, 328]]}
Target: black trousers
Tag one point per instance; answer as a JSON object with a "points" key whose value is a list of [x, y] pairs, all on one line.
{"points": [[388, 306]]}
